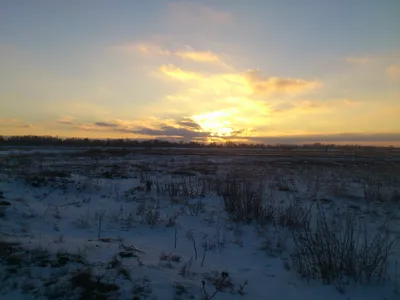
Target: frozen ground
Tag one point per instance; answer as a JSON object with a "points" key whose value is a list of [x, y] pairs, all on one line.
{"points": [[122, 225]]}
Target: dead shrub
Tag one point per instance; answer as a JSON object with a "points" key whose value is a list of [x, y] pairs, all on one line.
{"points": [[243, 201], [337, 250]]}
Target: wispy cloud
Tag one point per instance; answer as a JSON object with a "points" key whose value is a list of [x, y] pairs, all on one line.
{"points": [[201, 56], [358, 60], [66, 120], [153, 49], [174, 72], [252, 82], [144, 48], [272, 85], [106, 126], [89, 127], [118, 123]]}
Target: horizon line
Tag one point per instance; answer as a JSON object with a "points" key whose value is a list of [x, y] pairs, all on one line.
{"points": [[224, 143]]}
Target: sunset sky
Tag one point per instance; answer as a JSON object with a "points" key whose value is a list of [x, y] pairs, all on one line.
{"points": [[268, 71]]}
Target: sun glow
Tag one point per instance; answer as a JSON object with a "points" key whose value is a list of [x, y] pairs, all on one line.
{"points": [[220, 131], [217, 122]]}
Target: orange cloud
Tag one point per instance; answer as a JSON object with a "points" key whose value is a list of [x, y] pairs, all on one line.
{"points": [[201, 56], [155, 49], [229, 103], [247, 83], [179, 74], [272, 85], [205, 56], [66, 120]]}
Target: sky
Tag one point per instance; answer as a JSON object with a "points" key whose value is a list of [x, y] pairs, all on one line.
{"points": [[262, 71]]}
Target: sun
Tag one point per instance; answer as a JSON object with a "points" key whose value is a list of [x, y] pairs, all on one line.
{"points": [[216, 128], [218, 123]]}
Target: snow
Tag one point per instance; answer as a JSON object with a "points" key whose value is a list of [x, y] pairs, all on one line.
{"points": [[99, 217]]}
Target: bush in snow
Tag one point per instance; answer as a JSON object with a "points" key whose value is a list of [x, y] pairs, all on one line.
{"points": [[338, 249]]}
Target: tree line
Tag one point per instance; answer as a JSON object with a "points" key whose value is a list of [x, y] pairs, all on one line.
{"points": [[34, 141]]}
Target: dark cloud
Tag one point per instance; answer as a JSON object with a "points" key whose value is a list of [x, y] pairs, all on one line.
{"points": [[170, 131], [183, 128], [189, 123], [237, 132], [106, 124], [186, 129]]}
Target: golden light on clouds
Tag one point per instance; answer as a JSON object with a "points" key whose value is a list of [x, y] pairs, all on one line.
{"points": [[188, 82], [223, 101], [217, 122], [272, 85], [249, 82], [202, 57], [179, 74], [205, 56], [213, 102], [230, 103], [153, 49]]}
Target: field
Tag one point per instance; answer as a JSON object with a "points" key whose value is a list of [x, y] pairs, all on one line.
{"points": [[199, 224]]}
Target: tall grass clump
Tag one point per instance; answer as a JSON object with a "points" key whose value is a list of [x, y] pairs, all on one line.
{"points": [[380, 189], [340, 249], [243, 201]]}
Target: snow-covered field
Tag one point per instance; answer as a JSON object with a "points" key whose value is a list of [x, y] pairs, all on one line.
{"points": [[121, 225]]}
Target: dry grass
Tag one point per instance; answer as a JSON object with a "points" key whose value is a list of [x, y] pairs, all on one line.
{"points": [[341, 249]]}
